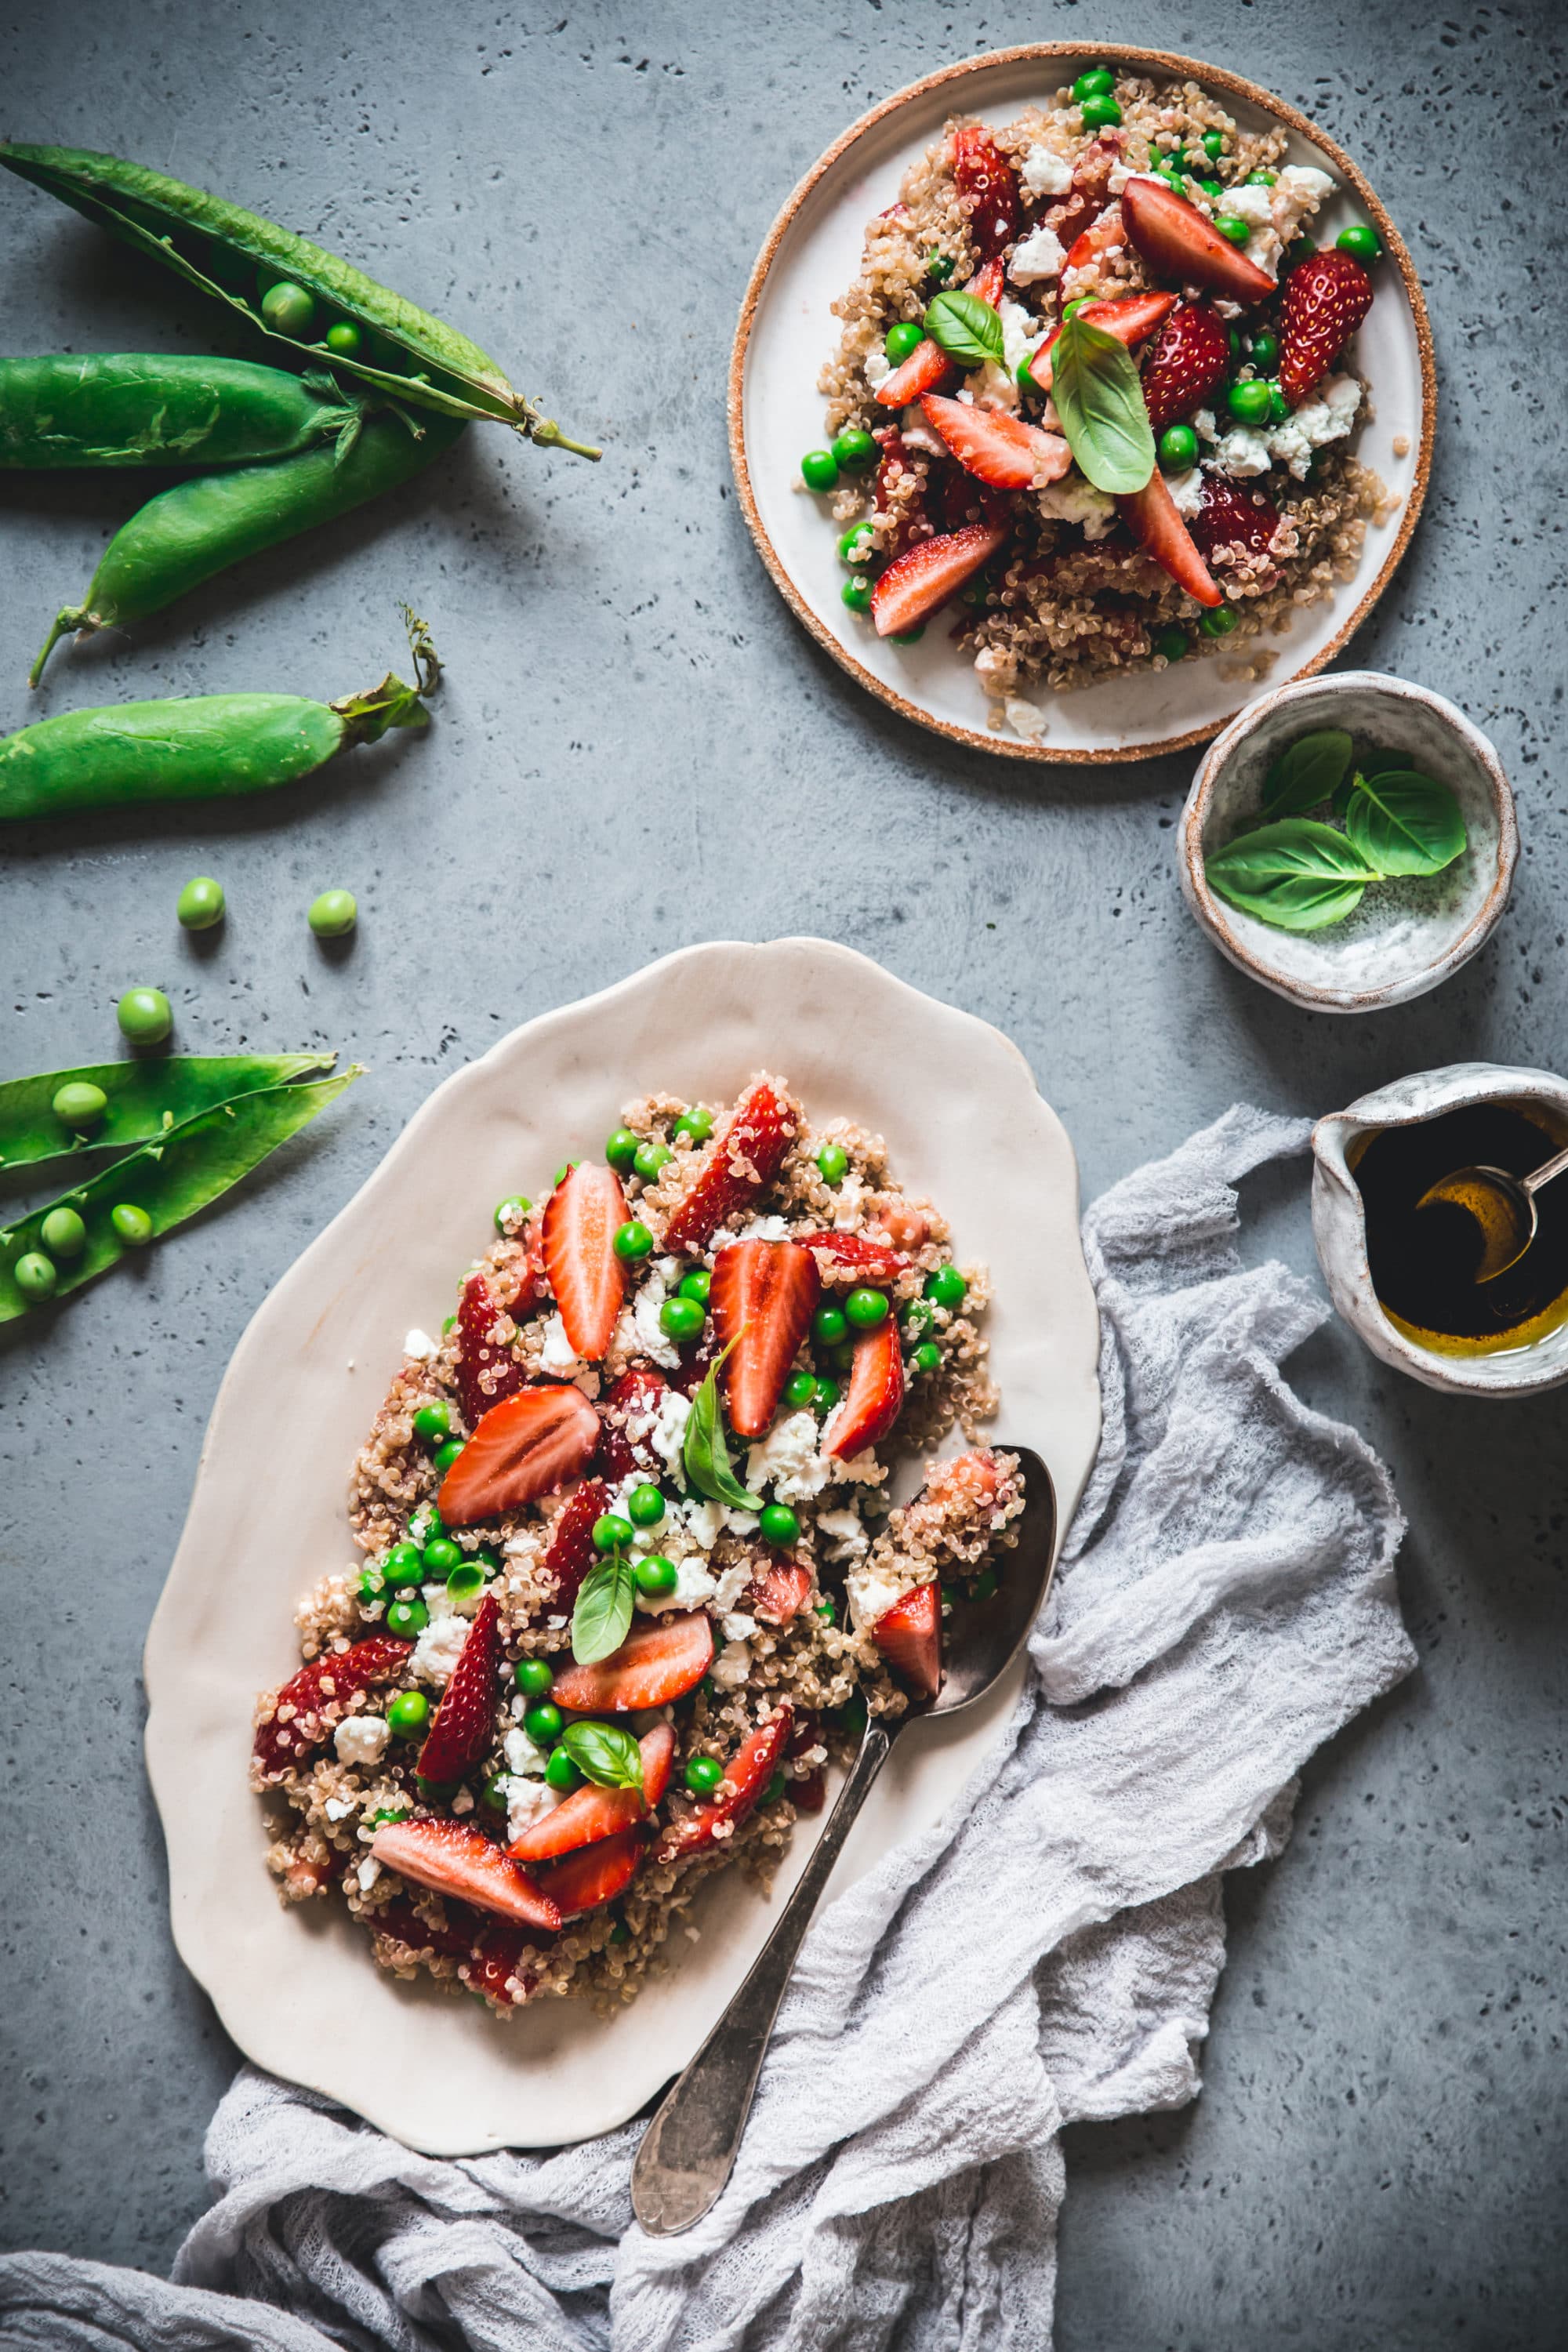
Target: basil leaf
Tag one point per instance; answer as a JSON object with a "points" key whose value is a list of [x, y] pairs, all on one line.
{"points": [[604, 1754], [966, 328], [1308, 772], [1405, 823], [705, 1452], [1099, 399], [602, 1616], [1296, 875], [1299, 903]]}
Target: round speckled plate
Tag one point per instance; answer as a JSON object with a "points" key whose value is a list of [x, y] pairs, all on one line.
{"points": [[298, 1989], [788, 331]]}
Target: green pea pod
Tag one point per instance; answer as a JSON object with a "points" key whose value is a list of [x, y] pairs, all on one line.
{"points": [[236, 257], [137, 408], [144, 1098], [209, 748], [189, 1167], [198, 528]]}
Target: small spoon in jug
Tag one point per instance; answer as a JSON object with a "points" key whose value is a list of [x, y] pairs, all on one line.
{"points": [[1503, 1206]]}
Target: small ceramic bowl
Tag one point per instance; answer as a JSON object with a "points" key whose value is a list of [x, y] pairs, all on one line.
{"points": [[1406, 936]]}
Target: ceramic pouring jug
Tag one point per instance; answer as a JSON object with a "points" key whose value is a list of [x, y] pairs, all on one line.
{"points": [[1339, 1223]]}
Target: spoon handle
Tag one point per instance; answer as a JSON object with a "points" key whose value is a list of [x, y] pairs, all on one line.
{"points": [[1540, 1176], [690, 2149]]}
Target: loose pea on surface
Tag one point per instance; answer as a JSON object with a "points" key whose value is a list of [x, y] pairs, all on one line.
{"points": [[511, 1212], [1248, 401], [829, 1325], [80, 1105], [34, 1275], [542, 1723], [200, 904], [650, 1158], [866, 1308], [799, 1389], [1097, 82], [611, 1532], [778, 1524], [144, 1016], [946, 1286], [409, 1713], [855, 593], [903, 340], [696, 1285], [697, 1123], [832, 1163], [645, 1506], [407, 1618], [855, 450], [681, 1318], [656, 1575], [1100, 113], [621, 1149], [1361, 242], [1172, 644], [560, 1772], [333, 915], [289, 309], [441, 1555], [403, 1564], [534, 1676], [633, 1240], [63, 1234], [133, 1224], [819, 469], [1178, 449], [703, 1774], [433, 1422]]}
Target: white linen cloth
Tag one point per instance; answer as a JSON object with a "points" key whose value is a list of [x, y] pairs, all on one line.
{"points": [[1047, 1954]]}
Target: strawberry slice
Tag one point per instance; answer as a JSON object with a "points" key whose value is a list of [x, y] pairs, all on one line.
{"points": [[628, 1409], [855, 1257], [487, 1368], [779, 1593], [660, 1659], [909, 1635], [571, 1554], [590, 1814], [922, 579], [522, 1448], [762, 1300], [464, 1727], [1187, 365], [1088, 193], [999, 449], [928, 365], [875, 1397], [492, 1967], [741, 1160], [456, 1859], [595, 1876], [1233, 517], [1128, 317], [399, 1923], [1150, 516], [1327, 296], [1176, 240], [1102, 236], [987, 189], [746, 1775], [582, 1218], [312, 1703]]}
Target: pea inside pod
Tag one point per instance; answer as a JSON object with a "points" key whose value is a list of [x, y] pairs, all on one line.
{"points": [[135, 1101], [239, 258], [156, 408]]}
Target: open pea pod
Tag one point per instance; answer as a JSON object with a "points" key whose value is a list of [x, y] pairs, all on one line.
{"points": [[140, 1100], [190, 1166], [238, 258]]}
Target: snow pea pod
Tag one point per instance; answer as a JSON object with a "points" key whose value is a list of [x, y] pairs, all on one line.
{"points": [[153, 409], [207, 747], [237, 258], [199, 528], [191, 1165], [141, 1100]]}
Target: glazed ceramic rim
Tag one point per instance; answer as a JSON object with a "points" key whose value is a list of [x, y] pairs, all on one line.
{"points": [[1215, 917], [1165, 62]]}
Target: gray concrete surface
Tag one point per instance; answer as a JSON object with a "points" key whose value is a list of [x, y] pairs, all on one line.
{"points": [[636, 749]]}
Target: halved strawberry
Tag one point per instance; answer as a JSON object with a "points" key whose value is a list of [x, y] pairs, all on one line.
{"points": [[1189, 362], [1102, 236], [928, 365], [595, 1876], [997, 448], [762, 1300], [522, 1448], [1128, 317], [492, 1967], [660, 1659], [487, 1368], [987, 189], [464, 1727], [779, 1591], [855, 1257], [909, 1635], [875, 1397], [1152, 517], [1231, 516], [582, 1218], [1178, 241], [312, 1703], [628, 1409], [746, 1775], [1327, 296], [590, 1814], [1089, 191], [456, 1859], [570, 1553], [920, 581], [743, 1159]]}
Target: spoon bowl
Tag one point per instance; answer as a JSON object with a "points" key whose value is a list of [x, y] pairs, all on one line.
{"points": [[1503, 1206]]}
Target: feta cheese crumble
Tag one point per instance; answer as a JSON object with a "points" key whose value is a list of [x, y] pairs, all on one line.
{"points": [[1044, 173], [787, 1460], [1036, 256], [1186, 490], [1074, 499], [360, 1739]]}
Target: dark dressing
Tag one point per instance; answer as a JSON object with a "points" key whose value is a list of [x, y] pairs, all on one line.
{"points": [[1423, 1261]]}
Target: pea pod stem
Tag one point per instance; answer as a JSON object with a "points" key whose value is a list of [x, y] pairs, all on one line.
{"points": [[141, 1100]]}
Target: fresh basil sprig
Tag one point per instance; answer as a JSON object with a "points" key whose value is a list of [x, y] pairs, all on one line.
{"points": [[1308, 772], [1296, 875], [604, 1754], [966, 328], [705, 1450], [601, 1615], [1099, 399], [1405, 823]]}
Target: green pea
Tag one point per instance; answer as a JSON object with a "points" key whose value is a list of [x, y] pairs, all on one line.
{"points": [[800, 1390], [696, 1285], [1233, 337], [1174, 161], [371, 1586], [445, 1456], [466, 1579], [1080, 302], [1178, 449], [946, 1287], [1171, 644], [487, 1559], [926, 1356], [1097, 82], [621, 1149], [611, 1532], [619, 1934], [1262, 179], [1361, 242], [426, 1523], [403, 1564], [1265, 350], [34, 1275], [512, 1212], [407, 1618], [133, 1224], [916, 1318], [1214, 144], [1248, 401], [201, 904], [344, 339], [829, 1325], [855, 593], [144, 1016], [697, 1123], [80, 1104], [903, 340], [534, 1676], [859, 545], [854, 1714], [1100, 113], [656, 1575], [448, 1323], [984, 1585], [854, 450], [775, 1788], [495, 1792], [1213, 190], [633, 1240], [703, 1774], [440, 1556], [1233, 228], [842, 1357], [681, 1319], [907, 636], [777, 1524], [433, 1422], [938, 267], [561, 1174], [645, 1506], [542, 1723], [560, 1772], [1219, 622], [289, 310], [1278, 407], [819, 469], [409, 1713], [63, 1234], [824, 1610], [833, 1163], [826, 1396], [867, 1308], [947, 1599], [650, 1158], [333, 915]]}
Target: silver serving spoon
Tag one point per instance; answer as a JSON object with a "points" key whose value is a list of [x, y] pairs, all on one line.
{"points": [[1502, 1205], [690, 2149]]}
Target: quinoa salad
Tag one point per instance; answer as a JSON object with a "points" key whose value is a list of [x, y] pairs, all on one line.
{"points": [[632, 1573], [974, 456]]}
